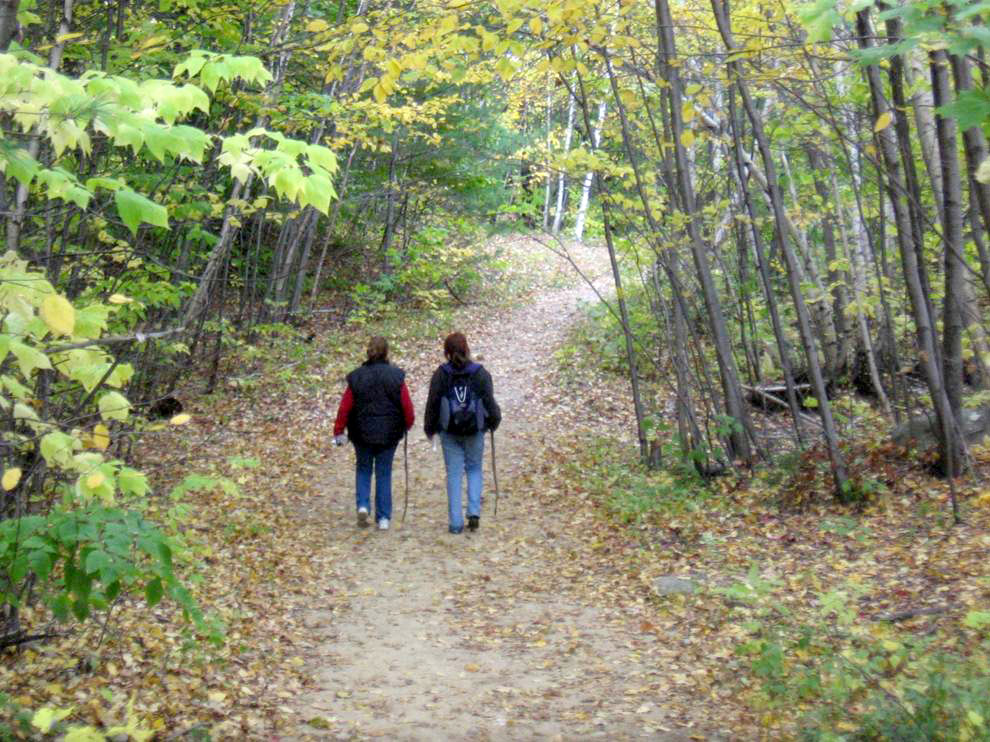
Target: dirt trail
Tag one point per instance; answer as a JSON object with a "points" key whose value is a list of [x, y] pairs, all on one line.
{"points": [[478, 636]]}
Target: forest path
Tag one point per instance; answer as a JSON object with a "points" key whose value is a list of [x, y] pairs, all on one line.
{"points": [[487, 635]]}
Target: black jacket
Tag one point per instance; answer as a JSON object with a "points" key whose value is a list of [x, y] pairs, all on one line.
{"points": [[376, 418], [481, 385]]}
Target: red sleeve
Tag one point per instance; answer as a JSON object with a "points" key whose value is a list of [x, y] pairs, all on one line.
{"points": [[346, 403], [407, 406]]}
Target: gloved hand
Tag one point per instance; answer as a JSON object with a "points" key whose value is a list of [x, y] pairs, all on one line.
{"points": [[339, 440]]}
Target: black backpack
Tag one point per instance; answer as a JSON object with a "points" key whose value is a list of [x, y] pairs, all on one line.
{"points": [[461, 411]]}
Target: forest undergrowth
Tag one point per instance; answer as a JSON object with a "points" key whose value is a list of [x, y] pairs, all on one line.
{"points": [[795, 615]]}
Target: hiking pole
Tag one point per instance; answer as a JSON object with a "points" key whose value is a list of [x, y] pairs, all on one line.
{"points": [[494, 474], [405, 460]]}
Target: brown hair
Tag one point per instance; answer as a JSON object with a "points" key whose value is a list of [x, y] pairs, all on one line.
{"points": [[378, 349], [455, 347]]}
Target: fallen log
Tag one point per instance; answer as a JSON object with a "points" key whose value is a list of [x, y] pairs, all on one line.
{"points": [[769, 394]]}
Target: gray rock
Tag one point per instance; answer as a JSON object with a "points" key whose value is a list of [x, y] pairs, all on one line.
{"points": [[919, 432], [670, 585]]}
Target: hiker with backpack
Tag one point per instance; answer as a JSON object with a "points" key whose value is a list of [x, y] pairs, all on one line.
{"points": [[377, 411], [461, 407]]}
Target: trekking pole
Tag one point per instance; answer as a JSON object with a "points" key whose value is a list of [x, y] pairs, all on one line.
{"points": [[494, 474], [405, 460]]}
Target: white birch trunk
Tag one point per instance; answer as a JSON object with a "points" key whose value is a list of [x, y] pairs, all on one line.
{"points": [[596, 138], [558, 214]]}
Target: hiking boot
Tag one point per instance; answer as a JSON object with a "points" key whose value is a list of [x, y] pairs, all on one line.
{"points": [[363, 517], [473, 522], [383, 524]]}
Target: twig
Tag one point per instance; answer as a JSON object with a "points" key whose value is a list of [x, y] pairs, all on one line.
{"points": [[777, 400], [10, 641], [117, 339], [912, 613]]}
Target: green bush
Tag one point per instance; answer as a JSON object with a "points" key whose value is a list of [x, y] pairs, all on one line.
{"points": [[845, 678]]}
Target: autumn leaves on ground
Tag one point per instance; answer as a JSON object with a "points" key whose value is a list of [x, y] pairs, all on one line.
{"points": [[566, 617]]}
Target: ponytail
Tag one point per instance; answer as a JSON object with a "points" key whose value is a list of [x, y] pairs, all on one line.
{"points": [[455, 347]]}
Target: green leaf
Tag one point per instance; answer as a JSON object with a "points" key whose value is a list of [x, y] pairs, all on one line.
{"points": [[57, 448], [318, 192], [977, 619], [41, 564], [132, 482], [971, 108], [153, 591], [91, 320], [97, 560], [114, 406], [29, 358], [321, 157], [135, 209], [60, 606], [819, 20], [80, 608]]}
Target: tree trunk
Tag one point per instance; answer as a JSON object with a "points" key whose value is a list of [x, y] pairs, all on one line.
{"points": [[596, 138], [949, 431], [731, 388], [804, 322], [952, 238], [546, 160], [836, 278], [558, 214], [976, 152], [8, 22], [778, 330], [15, 223]]}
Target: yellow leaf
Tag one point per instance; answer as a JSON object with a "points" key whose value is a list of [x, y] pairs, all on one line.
{"points": [[983, 172], [68, 37], [100, 437], [379, 92], [448, 23], [317, 25], [471, 667], [883, 121], [535, 25], [359, 27], [687, 138], [10, 478], [217, 696], [180, 419], [58, 314], [119, 299], [45, 718], [84, 734], [95, 479], [687, 113]]}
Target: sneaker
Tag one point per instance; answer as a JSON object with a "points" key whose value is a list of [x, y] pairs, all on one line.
{"points": [[362, 517], [383, 524], [473, 522]]}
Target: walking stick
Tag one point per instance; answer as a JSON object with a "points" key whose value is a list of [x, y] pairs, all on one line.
{"points": [[405, 460], [494, 474]]}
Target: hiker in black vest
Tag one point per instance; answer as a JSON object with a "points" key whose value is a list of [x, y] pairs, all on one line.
{"points": [[461, 407], [377, 411]]}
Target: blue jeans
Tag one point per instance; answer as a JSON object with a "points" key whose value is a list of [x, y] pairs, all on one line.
{"points": [[380, 459], [463, 453]]}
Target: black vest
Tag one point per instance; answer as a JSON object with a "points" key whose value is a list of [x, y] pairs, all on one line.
{"points": [[376, 418]]}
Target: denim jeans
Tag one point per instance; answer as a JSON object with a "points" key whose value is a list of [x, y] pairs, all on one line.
{"points": [[379, 459], [463, 453]]}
